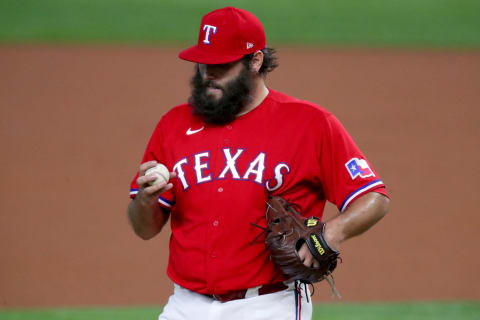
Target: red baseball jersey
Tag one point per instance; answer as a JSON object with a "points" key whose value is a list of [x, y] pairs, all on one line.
{"points": [[285, 147]]}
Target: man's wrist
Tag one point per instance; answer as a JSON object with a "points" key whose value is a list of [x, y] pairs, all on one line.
{"points": [[333, 236], [146, 201]]}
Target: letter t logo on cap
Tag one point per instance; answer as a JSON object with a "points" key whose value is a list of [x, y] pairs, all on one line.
{"points": [[208, 28]]}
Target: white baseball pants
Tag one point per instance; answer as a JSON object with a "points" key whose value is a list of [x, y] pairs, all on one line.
{"points": [[289, 304]]}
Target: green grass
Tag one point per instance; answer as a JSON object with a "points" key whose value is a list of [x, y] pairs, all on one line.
{"points": [[400, 311], [83, 314], [338, 311], [411, 23]]}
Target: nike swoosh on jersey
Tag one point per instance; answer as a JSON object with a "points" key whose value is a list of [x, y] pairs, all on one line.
{"points": [[190, 131]]}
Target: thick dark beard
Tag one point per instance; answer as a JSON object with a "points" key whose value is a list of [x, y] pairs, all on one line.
{"points": [[236, 94]]}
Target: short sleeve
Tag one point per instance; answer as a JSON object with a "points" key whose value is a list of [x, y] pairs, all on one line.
{"points": [[154, 151], [345, 172]]}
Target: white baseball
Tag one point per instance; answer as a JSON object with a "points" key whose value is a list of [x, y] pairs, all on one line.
{"points": [[162, 173]]}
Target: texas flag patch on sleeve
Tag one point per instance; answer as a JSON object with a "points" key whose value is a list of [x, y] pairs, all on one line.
{"points": [[359, 168]]}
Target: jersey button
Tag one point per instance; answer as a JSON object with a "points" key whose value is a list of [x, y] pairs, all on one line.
{"points": [[229, 127], [215, 223], [214, 255], [220, 189], [226, 141]]}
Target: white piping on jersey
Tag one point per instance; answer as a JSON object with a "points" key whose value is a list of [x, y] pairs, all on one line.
{"points": [[160, 199], [359, 191]]}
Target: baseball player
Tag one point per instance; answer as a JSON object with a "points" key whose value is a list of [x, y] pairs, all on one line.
{"points": [[235, 143]]}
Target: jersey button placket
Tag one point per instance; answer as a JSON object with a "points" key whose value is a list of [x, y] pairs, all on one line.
{"points": [[215, 224], [213, 248], [214, 255]]}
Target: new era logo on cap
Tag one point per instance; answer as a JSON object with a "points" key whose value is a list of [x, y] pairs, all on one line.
{"points": [[226, 35]]}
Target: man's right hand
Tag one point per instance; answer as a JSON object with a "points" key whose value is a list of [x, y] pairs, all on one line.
{"points": [[145, 215], [148, 194]]}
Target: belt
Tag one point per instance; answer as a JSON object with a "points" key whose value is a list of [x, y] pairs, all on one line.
{"points": [[248, 293]]}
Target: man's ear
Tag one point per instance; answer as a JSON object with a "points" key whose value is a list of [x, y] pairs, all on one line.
{"points": [[257, 61]]}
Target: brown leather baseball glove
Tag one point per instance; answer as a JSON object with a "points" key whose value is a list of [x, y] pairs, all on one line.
{"points": [[286, 231]]}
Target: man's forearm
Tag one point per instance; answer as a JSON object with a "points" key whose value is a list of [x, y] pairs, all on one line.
{"points": [[147, 220], [358, 218]]}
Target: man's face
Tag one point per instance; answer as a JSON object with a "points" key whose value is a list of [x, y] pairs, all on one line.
{"points": [[216, 76], [220, 92]]}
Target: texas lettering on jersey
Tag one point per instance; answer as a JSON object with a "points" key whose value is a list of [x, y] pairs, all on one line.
{"points": [[310, 156], [199, 163]]}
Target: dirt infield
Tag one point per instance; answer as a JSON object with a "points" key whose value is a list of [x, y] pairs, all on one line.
{"points": [[75, 122]]}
